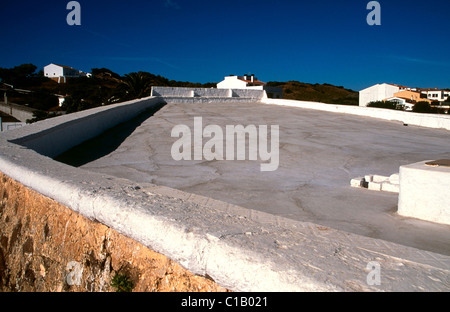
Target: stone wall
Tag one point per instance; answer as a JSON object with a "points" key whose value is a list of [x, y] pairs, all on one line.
{"points": [[19, 112], [45, 246], [208, 93], [53, 136], [436, 121]]}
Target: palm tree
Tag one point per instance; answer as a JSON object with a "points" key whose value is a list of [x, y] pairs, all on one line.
{"points": [[138, 84]]}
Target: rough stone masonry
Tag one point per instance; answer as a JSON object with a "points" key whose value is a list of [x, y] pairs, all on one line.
{"points": [[45, 246]]}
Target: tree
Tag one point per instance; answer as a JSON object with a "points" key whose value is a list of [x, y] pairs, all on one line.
{"points": [[422, 107], [102, 72], [69, 105], [383, 104], [138, 84], [17, 73], [40, 115], [43, 100]]}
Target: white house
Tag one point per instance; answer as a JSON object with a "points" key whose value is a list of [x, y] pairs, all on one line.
{"points": [[241, 82], [436, 94], [60, 73], [378, 92], [249, 82], [401, 101]]}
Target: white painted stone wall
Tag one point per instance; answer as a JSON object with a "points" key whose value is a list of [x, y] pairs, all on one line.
{"points": [[19, 112], [377, 92], [207, 92], [59, 134], [409, 118], [7, 126], [424, 192], [232, 82]]}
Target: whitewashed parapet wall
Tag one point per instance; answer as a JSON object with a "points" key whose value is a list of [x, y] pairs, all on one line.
{"points": [[20, 112], [436, 121], [208, 93], [53, 136]]}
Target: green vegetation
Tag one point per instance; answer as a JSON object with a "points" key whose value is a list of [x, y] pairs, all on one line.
{"points": [[422, 107], [122, 283], [41, 115], [104, 88], [325, 93], [383, 104], [19, 75], [427, 108]]}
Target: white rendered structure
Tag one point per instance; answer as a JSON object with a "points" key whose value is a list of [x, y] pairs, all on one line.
{"points": [[241, 82], [385, 91], [59, 73], [249, 82], [377, 92], [424, 192], [436, 94], [402, 102]]}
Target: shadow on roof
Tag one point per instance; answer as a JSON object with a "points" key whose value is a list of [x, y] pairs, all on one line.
{"points": [[105, 143]]}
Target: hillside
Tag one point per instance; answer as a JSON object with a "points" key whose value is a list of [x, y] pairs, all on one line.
{"points": [[106, 87], [325, 93]]}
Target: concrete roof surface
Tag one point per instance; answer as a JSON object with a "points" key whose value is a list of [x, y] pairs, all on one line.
{"points": [[319, 153]]}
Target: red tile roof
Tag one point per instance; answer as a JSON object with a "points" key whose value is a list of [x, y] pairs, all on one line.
{"points": [[254, 81]]}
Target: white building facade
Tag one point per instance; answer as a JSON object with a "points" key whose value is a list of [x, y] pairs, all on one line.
{"points": [[60, 73], [249, 82], [385, 91], [241, 82], [378, 92], [436, 94]]}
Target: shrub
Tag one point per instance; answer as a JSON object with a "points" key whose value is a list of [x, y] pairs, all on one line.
{"points": [[121, 283], [383, 104], [422, 107]]}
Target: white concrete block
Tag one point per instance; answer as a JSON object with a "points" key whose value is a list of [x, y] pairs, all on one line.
{"points": [[380, 179], [373, 186], [368, 177], [357, 182], [394, 178], [389, 187], [424, 192]]}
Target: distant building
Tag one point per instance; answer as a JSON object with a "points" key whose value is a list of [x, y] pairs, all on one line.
{"points": [[412, 96], [436, 94], [241, 82], [408, 98], [61, 73], [249, 82], [378, 92], [393, 92]]}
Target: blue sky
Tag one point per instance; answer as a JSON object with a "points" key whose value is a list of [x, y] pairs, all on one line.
{"points": [[320, 41]]}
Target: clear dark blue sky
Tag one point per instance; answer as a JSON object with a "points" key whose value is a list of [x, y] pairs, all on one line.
{"points": [[203, 41]]}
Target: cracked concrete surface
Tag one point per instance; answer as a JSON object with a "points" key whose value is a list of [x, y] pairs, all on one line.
{"points": [[320, 153]]}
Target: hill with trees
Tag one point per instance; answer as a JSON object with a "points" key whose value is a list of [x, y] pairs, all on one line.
{"points": [[27, 87], [325, 93]]}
